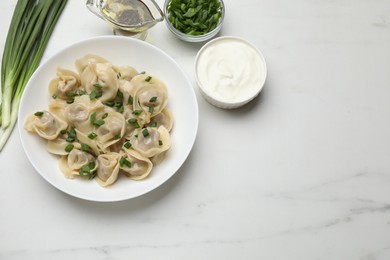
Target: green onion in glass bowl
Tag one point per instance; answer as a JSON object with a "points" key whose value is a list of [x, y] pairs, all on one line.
{"points": [[194, 20]]}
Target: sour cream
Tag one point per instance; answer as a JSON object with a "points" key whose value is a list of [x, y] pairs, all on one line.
{"points": [[230, 71]]}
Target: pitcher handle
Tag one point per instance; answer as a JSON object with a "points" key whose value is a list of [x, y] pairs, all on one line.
{"points": [[93, 6]]}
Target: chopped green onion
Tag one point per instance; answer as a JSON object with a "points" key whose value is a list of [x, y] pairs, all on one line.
{"points": [[92, 135], [96, 122], [85, 148], [148, 78], [137, 112], [81, 92], [38, 113], [119, 94], [98, 86], [121, 109], [110, 103], [130, 100], [99, 122], [71, 94], [160, 142], [145, 132], [92, 118], [127, 145], [105, 115], [84, 170], [95, 94], [54, 96], [29, 32], [153, 124], [134, 122], [71, 135], [151, 109], [69, 148], [117, 136], [153, 99], [124, 162]]}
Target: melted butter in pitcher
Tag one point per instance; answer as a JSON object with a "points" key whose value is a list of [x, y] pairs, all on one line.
{"points": [[127, 12]]}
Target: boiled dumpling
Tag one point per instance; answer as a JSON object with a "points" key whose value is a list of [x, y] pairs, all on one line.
{"points": [[45, 124], [78, 163], [151, 96], [80, 111], [100, 81], [108, 168], [65, 85], [150, 141], [111, 131], [165, 118], [57, 106], [136, 167], [125, 72], [83, 62], [58, 146]]}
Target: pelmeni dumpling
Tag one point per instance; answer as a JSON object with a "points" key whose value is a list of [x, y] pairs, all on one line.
{"points": [[138, 167], [128, 91], [150, 97], [111, 131], [125, 72], [45, 124], [57, 106], [108, 168], [83, 62], [80, 111], [150, 141], [72, 164], [65, 85], [165, 118], [101, 79], [58, 145], [88, 143]]}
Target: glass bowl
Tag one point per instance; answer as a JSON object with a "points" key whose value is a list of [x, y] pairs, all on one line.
{"points": [[193, 38]]}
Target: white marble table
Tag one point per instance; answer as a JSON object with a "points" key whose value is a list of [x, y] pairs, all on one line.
{"points": [[302, 172]]}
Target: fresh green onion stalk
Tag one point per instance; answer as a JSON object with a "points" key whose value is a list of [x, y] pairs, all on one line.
{"points": [[32, 24]]}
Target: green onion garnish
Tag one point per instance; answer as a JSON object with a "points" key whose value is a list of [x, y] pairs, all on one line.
{"points": [[124, 162], [130, 100], [69, 148], [127, 145], [137, 112], [145, 132], [134, 122], [85, 148], [38, 113], [92, 135]]}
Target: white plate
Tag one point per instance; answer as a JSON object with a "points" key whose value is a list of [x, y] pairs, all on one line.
{"points": [[120, 51]]}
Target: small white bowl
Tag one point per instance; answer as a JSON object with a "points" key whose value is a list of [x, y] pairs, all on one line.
{"points": [[230, 71]]}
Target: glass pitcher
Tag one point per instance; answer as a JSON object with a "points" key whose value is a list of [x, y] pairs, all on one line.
{"points": [[128, 17]]}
